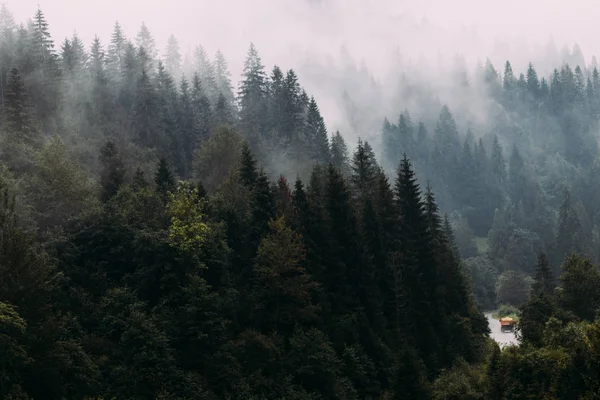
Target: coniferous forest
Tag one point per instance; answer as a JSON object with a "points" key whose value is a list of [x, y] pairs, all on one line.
{"points": [[168, 234]]}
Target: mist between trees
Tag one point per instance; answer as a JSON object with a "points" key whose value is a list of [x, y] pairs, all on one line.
{"points": [[164, 235]]}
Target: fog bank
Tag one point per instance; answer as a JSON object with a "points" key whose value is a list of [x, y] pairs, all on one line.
{"points": [[326, 40]]}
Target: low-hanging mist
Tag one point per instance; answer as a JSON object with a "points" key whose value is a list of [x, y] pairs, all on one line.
{"points": [[324, 41]]}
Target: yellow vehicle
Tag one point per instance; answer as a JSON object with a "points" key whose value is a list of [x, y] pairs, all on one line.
{"points": [[507, 324]]}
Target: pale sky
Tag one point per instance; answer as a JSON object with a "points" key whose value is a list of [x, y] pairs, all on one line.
{"points": [[283, 29]]}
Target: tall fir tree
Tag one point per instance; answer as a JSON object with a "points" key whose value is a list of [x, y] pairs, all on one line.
{"points": [[316, 134], [164, 180], [339, 153], [173, 57], [112, 172], [252, 98]]}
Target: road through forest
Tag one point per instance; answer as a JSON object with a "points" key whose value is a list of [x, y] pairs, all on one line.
{"points": [[503, 339]]}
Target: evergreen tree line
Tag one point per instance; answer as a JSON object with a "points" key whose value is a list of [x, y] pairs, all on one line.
{"points": [[340, 288], [152, 246], [523, 183], [164, 105]]}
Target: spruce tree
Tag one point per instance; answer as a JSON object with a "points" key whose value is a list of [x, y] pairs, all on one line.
{"points": [[164, 180], [569, 235], [341, 277], [405, 133], [145, 40], [112, 172], [364, 171], [146, 115], [202, 112], [173, 58], [252, 97], [418, 268], [284, 201], [292, 108], [116, 52], [509, 80], [223, 81], [248, 171], [282, 287], [316, 134], [544, 279], [533, 83], [18, 119], [222, 112], [203, 66], [41, 40], [185, 118], [339, 153]]}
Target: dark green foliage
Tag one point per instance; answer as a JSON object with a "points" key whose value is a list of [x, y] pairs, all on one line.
{"points": [[112, 173], [248, 171], [544, 279], [346, 288], [316, 134], [164, 180], [17, 115]]}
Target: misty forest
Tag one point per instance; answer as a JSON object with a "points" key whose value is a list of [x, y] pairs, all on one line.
{"points": [[169, 233]]}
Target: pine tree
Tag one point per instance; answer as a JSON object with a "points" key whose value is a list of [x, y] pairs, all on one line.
{"points": [[130, 69], [276, 102], [569, 234], [223, 80], [79, 57], [7, 23], [146, 114], [544, 279], [496, 386], [41, 41], [533, 83], [66, 55], [284, 201], [292, 108], [316, 134], [282, 288], [341, 278], [516, 176], [116, 52], [248, 170], [417, 266], [112, 172], [18, 120], [509, 81], [365, 171], [173, 57], [252, 98], [206, 71], [202, 112], [223, 113], [164, 180], [375, 266], [498, 165], [145, 40], [339, 153], [406, 138], [263, 208], [97, 60], [300, 202], [169, 108]]}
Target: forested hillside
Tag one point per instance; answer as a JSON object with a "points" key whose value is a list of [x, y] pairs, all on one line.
{"points": [[166, 236]]}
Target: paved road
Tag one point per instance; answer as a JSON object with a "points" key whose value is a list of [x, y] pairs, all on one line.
{"points": [[503, 339]]}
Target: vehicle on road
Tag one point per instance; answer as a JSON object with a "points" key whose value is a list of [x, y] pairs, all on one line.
{"points": [[507, 324]]}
